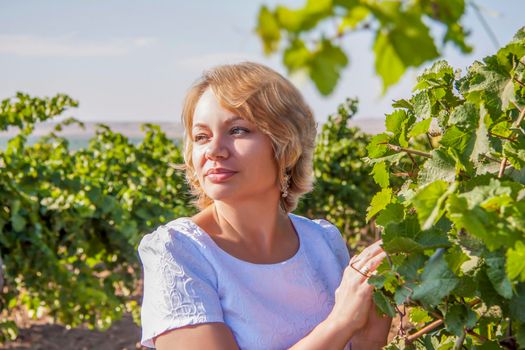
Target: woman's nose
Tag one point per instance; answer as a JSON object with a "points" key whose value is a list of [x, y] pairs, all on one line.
{"points": [[216, 149]]}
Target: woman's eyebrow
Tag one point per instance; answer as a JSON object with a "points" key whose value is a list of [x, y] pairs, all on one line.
{"points": [[233, 119], [227, 121]]}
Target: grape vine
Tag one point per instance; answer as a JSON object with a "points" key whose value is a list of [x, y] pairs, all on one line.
{"points": [[454, 228]]}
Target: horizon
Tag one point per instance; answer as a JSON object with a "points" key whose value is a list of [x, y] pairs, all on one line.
{"points": [[137, 66]]}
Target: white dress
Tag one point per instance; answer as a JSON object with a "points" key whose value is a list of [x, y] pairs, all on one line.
{"points": [[189, 279]]}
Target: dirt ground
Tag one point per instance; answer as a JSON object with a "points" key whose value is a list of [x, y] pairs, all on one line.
{"points": [[123, 335], [41, 334]]}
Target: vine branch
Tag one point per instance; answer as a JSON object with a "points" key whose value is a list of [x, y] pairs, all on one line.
{"points": [[430, 327], [516, 125], [519, 82], [408, 150]]}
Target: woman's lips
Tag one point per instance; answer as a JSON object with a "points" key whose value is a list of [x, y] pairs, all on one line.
{"points": [[220, 177]]}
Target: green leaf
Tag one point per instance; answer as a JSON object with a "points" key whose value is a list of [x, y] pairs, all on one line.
{"points": [[296, 56], [407, 237], [455, 138], [377, 146], [353, 17], [411, 266], [515, 267], [419, 315], [440, 167], [304, 18], [520, 336], [496, 274], [464, 116], [422, 105], [380, 174], [395, 120], [383, 304], [326, 64], [388, 64], [517, 303], [437, 280], [459, 317], [515, 152], [479, 144], [404, 42], [420, 127], [428, 202], [268, 30], [393, 212], [455, 258], [379, 202]]}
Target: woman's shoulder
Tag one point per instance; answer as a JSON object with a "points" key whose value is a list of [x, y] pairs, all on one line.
{"points": [[322, 229], [173, 234], [321, 226]]}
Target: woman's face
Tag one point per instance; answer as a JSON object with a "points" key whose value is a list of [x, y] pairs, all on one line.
{"points": [[233, 160]]}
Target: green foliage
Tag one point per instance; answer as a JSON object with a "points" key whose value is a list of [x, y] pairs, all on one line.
{"points": [[343, 185], [455, 228], [70, 221], [402, 37]]}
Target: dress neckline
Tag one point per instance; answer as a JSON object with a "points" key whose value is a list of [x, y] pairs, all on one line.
{"points": [[221, 251]]}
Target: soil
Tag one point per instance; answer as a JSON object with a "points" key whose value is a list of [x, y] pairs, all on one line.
{"points": [[122, 335]]}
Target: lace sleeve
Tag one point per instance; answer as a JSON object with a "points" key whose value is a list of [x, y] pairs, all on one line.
{"points": [[180, 285], [336, 241]]}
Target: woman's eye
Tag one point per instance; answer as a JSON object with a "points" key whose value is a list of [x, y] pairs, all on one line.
{"points": [[239, 131], [199, 137]]}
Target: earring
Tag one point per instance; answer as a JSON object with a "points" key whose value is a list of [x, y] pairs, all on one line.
{"points": [[285, 186]]}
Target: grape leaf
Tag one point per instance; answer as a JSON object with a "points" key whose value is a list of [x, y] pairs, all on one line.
{"points": [[437, 280], [325, 66], [393, 212], [268, 30], [517, 303], [420, 127], [379, 202], [380, 174], [515, 152], [459, 317], [429, 200], [496, 274], [383, 304], [440, 167], [516, 262]]}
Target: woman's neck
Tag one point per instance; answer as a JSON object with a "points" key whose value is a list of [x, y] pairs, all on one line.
{"points": [[255, 232], [256, 223]]}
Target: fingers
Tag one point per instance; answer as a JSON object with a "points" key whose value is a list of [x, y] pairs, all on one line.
{"points": [[369, 251], [368, 260]]}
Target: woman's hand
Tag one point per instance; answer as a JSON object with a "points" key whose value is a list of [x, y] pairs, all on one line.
{"points": [[353, 297], [374, 334]]}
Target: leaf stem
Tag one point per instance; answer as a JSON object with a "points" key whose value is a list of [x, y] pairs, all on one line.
{"points": [[429, 141], [504, 160], [408, 150], [476, 335], [500, 136], [519, 82]]}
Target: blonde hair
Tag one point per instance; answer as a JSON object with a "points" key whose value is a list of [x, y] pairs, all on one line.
{"points": [[267, 99]]}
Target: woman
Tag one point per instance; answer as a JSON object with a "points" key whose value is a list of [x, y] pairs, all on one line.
{"points": [[244, 272]]}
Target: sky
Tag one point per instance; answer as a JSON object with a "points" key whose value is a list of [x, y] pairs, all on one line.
{"points": [[133, 60]]}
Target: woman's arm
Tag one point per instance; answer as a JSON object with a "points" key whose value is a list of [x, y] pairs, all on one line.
{"points": [[349, 317], [353, 305], [209, 336]]}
